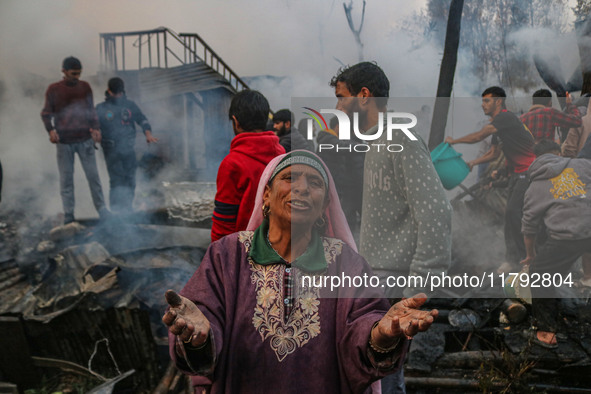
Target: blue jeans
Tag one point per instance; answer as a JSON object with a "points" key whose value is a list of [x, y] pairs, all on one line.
{"points": [[65, 165], [394, 384]]}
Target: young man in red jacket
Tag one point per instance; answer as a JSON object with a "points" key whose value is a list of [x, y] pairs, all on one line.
{"points": [[250, 151]]}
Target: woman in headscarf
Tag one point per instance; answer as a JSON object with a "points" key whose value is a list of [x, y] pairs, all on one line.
{"points": [[248, 319]]}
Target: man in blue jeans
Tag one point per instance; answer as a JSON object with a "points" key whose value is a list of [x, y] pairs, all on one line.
{"points": [[71, 121]]}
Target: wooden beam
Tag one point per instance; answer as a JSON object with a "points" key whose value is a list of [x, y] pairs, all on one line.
{"points": [[15, 358], [446, 74]]}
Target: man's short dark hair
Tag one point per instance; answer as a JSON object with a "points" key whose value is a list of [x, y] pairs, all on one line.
{"points": [[116, 85], [283, 115], [251, 110], [546, 146], [364, 74], [496, 91], [71, 63], [542, 97]]}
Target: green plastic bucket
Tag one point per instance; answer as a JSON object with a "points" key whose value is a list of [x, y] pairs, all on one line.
{"points": [[450, 166]]}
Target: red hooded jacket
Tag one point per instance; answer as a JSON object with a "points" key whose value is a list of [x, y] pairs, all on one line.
{"points": [[238, 180]]}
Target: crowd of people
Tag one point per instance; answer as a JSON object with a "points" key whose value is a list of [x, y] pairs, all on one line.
{"points": [[547, 196], [244, 322]]}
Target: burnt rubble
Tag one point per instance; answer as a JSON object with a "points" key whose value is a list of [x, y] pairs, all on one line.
{"points": [[88, 297]]}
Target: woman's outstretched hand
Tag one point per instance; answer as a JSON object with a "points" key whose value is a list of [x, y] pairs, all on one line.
{"points": [[185, 320], [403, 318]]}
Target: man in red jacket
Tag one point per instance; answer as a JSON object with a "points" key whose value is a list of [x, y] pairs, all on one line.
{"points": [[250, 151], [71, 121]]}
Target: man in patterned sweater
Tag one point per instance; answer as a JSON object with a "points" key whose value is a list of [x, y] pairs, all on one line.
{"points": [[406, 217]]}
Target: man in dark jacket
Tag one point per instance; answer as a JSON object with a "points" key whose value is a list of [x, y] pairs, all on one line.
{"points": [[346, 168], [558, 197], [118, 116], [289, 138], [71, 122]]}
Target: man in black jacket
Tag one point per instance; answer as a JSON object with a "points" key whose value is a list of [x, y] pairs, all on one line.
{"points": [[346, 167], [117, 117], [287, 139]]}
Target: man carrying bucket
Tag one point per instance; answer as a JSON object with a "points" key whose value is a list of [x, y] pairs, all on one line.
{"points": [[517, 145]]}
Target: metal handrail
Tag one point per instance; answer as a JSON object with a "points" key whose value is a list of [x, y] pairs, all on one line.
{"points": [[189, 45]]}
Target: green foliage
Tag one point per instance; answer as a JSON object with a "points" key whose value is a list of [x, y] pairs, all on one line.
{"points": [[582, 9]]}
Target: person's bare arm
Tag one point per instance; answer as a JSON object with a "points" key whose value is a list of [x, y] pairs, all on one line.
{"points": [[96, 135], [53, 136], [530, 250], [570, 148], [149, 137], [492, 154]]}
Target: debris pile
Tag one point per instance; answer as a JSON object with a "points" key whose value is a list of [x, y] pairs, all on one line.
{"points": [[89, 298]]}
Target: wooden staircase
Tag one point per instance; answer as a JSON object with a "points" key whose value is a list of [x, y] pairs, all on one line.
{"points": [[183, 87], [167, 63]]}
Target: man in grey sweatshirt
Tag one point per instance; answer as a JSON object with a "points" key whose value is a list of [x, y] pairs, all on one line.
{"points": [[559, 196], [405, 215]]}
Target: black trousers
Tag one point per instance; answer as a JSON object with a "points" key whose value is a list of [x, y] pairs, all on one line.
{"points": [[515, 247], [122, 166], [554, 257]]}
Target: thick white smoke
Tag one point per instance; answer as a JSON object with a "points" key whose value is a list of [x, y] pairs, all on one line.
{"points": [[305, 41]]}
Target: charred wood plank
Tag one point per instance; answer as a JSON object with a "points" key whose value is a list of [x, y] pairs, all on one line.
{"points": [[12, 281], [446, 73], [15, 357], [166, 380], [8, 264], [467, 360], [175, 382], [450, 383], [67, 366], [8, 388]]}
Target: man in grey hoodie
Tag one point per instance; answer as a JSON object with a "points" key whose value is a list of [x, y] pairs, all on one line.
{"points": [[559, 195]]}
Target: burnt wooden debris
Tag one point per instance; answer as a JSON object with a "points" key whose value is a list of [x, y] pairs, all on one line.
{"points": [[91, 306]]}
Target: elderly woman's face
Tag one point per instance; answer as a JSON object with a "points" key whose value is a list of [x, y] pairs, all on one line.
{"points": [[297, 195]]}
